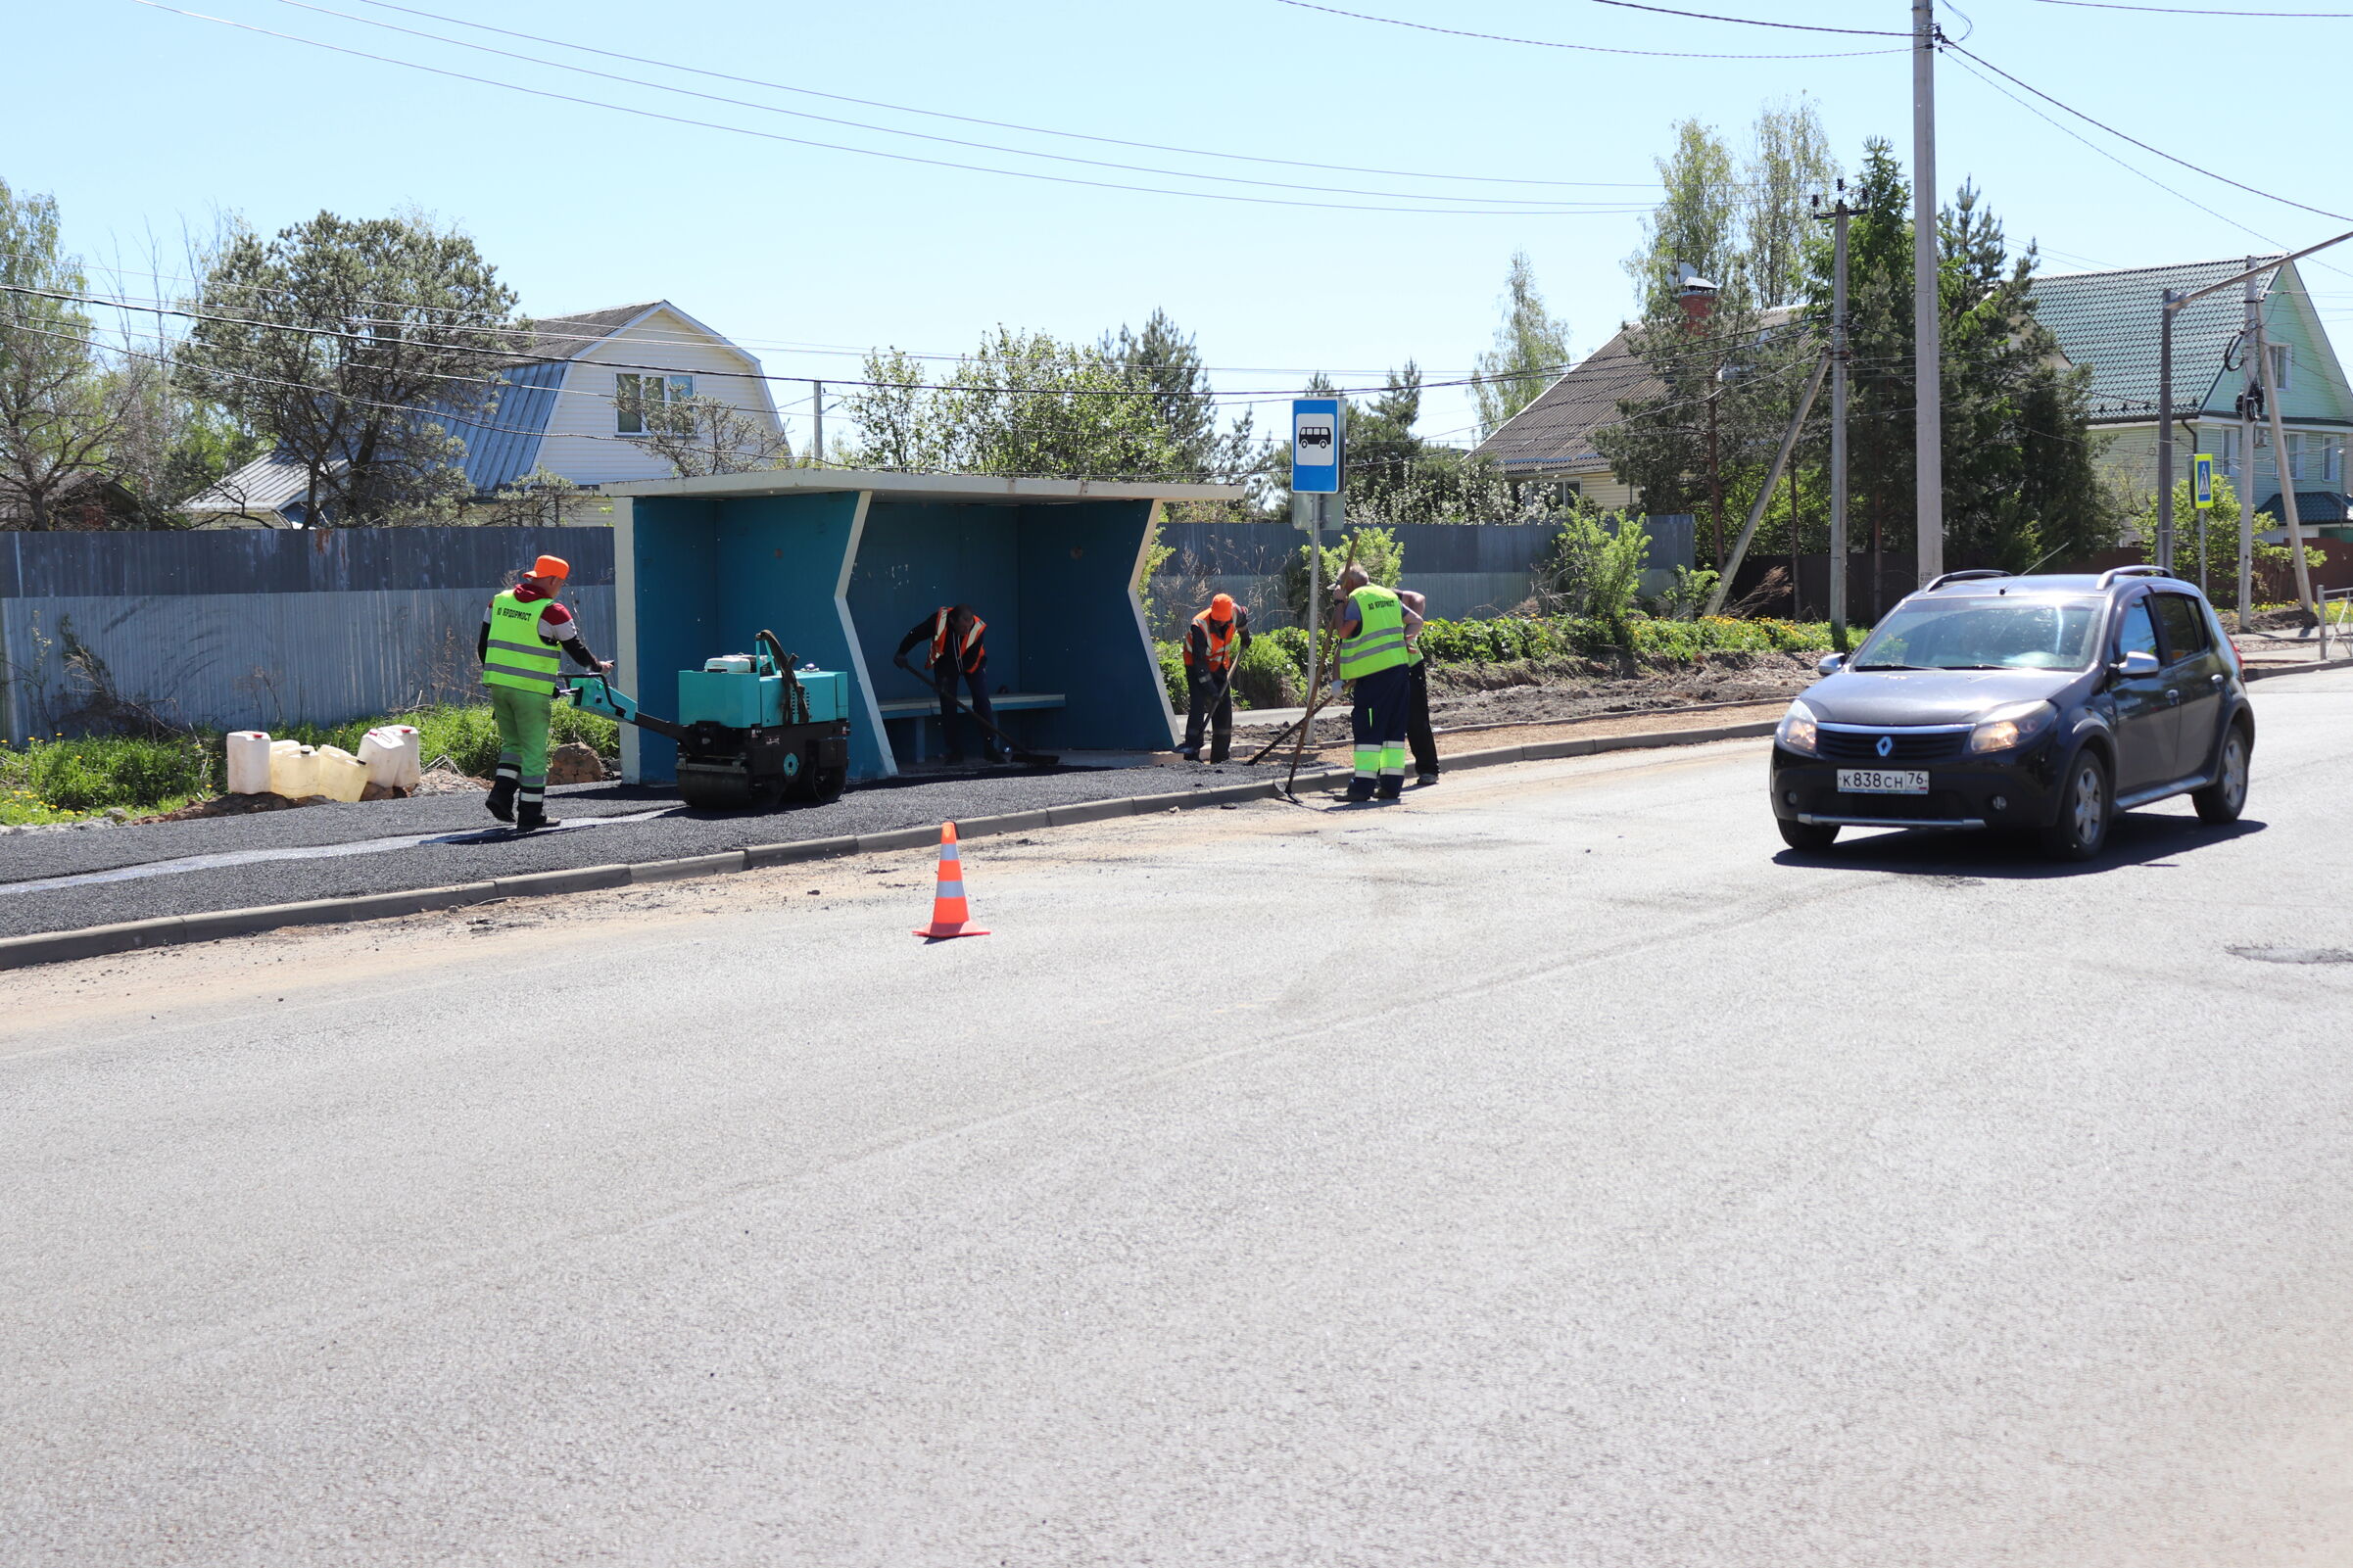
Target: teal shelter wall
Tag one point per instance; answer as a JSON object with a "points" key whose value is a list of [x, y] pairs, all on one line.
{"points": [[916, 557], [711, 574], [1082, 633]]}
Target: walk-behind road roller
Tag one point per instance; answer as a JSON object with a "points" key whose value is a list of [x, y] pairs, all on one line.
{"points": [[752, 729]]}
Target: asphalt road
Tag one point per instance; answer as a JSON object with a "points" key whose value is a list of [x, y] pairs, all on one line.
{"points": [[1550, 1170], [673, 832]]}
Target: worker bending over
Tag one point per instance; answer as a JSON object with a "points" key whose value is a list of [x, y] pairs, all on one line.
{"points": [[522, 632], [1213, 646], [1372, 624], [951, 639]]}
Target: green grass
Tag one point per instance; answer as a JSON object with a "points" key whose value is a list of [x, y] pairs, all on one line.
{"points": [[65, 780]]}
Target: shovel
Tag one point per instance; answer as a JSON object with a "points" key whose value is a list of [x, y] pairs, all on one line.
{"points": [[1027, 758]]}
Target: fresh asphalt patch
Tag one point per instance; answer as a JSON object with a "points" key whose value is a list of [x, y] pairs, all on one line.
{"points": [[343, 851]]}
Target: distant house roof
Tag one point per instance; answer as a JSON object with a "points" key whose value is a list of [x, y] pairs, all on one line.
{"points": [[501, 444], [1556, 431], [89, 500], [2108, 320]]}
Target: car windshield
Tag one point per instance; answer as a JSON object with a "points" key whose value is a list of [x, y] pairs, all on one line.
{"points": [[1985, 634]]}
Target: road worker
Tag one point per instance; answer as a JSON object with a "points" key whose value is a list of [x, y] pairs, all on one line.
{"points": [[1419, 739], [522, 632], [1373, 623], [950, 637], [1213, 646]]}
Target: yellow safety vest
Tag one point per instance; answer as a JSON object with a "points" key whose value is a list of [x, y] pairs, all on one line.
{"points": [[1379, 643], [519, 656]]}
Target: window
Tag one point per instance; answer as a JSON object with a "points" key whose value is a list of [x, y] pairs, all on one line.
{"points": [[2225, 451], [2282, 360], [633, 395], [2184, 628], [2138, 634]]}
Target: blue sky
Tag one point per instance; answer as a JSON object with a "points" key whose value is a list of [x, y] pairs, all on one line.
{"points": [[146, 118]]}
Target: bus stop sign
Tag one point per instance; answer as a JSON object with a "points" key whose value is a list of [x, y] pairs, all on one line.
{"points": [[1315, 438]]}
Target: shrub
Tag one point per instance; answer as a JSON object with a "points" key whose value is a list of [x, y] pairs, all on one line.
{"points": [[93, 774], [1595, 564], [1376, 550], [1266, 676]]}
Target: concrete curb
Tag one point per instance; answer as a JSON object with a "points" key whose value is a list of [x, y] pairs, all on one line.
{"points": [[97, 941]]}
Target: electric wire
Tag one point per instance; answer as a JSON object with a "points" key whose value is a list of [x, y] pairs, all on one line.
{"points": [[2186, 11], [1616, 208], [995, 125], [1589, 48], [843, 147]]}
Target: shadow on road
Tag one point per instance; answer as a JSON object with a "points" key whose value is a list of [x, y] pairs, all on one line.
{"points": [[2137, 840]]}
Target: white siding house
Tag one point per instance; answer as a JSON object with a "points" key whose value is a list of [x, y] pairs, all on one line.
{"points": [[560, 410]]}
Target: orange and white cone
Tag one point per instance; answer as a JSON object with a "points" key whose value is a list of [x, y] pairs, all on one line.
{"points": [[950, 915]]}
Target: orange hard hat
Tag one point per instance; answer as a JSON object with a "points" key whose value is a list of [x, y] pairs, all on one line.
{"points": [[1220, 608], [553, 568]]}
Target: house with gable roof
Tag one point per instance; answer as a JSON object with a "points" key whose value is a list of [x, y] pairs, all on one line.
{"points": [[563, 406], [2106, 320]]}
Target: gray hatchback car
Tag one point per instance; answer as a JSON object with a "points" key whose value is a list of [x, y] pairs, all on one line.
{"points": [[2039, 703]]}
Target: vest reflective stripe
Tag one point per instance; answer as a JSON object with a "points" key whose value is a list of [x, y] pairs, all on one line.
{"points": [[525, 660], [1379, 643], [1221, 647], [964, 649]]}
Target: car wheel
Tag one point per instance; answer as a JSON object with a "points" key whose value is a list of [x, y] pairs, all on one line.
{"points": [[1812, 837], [2085, 806], [2224, 799]]}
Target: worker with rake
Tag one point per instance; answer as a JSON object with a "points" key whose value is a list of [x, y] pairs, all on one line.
{"points": [[1213, 647]]}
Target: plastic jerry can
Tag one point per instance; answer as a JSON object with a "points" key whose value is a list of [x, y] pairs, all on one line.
{"points": [[249, 762], [390, 751], [293, 770], [337, 775]]}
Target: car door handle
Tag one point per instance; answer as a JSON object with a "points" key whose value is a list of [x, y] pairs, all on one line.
{"points": [[2173, 693], [2213, 680]]}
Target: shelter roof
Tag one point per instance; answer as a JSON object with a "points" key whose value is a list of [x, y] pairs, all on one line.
{"points": [[923, 487]]}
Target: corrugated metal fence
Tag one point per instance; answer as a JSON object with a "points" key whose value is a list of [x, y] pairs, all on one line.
{"points": [[1464, 569], [254, 627]]}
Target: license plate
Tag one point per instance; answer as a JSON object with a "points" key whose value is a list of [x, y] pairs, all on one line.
{"points": [[1882, 782]]}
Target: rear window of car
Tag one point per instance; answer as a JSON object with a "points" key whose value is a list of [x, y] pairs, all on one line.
{"points": [[2184, 628], [1985, 632]]}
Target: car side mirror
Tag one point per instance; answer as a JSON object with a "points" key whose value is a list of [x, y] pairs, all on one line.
{"points": [[1831, 664], [2136, 662]]}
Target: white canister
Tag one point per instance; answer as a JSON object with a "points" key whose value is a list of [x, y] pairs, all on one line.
{"points": [[249, 762], [293, 770], [337, 774], [391, 753]]}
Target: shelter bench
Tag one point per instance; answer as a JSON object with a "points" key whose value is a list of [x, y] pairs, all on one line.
{"points": [[915, 710]]}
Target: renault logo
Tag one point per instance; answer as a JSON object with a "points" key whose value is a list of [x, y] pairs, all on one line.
{"points": [[1887, 744]]}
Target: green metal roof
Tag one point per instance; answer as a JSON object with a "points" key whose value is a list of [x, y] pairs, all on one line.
{"points": [[2109, 321]]}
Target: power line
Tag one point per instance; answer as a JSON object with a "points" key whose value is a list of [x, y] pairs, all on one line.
{"points": [[841, 147], [1616, 207], [1595, 48], [2185, 10], [2318, 211], [995, 125], [1752, 21]]}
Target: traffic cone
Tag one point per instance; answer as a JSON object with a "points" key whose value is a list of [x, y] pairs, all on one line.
{"points": [[949, 912]]}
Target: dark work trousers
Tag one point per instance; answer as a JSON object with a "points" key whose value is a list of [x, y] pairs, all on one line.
{"points": [[1418, 721], [1377, 721], [1201, 687], [951, 724]]}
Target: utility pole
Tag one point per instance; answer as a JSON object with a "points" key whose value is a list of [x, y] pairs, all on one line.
{"points": [[2284, 468], [2165, 439], [1840, 356], [2249, 391], [1715, 472], [817, 404], [1928, 420]]}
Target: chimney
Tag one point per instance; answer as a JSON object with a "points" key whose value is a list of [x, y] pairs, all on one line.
{"points": [[1696, 295]]}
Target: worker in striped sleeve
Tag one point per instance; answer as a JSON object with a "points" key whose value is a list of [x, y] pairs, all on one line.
{"points": [[522, 632]]}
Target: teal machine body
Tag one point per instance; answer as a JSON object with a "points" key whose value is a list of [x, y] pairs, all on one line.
{"points": [[752, 728]]}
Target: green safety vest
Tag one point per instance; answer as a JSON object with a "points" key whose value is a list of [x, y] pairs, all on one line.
{"points": [[1379, 643], [519, 656]]}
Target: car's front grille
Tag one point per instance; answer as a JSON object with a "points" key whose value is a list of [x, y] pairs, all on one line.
{"points": [[1904, 746]]}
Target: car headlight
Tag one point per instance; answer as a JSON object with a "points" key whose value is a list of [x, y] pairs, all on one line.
{"points": [[2006, 729], [1796, 730]]}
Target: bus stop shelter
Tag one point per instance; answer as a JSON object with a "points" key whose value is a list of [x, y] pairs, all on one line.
{"points": [[839, 563]]}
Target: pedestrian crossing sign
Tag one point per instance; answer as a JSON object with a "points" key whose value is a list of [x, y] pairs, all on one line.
{"points": [[2201, 478]]}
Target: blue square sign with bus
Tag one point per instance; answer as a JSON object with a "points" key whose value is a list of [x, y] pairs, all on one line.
{"points": [[1316, 437], [2201, 478]]}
